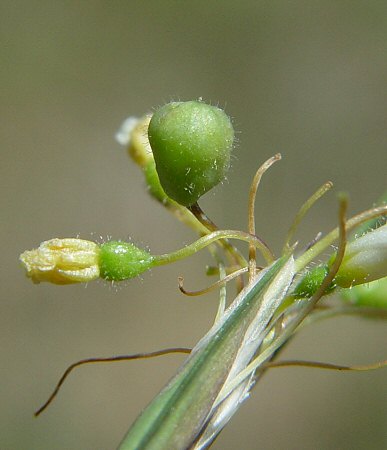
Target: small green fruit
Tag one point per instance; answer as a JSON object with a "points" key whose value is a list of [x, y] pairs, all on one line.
{"points": [[191, 143], [120, 260]]}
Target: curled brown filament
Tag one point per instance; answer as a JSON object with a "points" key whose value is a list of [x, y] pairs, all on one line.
{"points": [[213, 286], [82, 362]]}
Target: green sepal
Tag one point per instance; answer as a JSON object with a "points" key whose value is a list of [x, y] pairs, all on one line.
{"points": [[119, 260], [311, 281]]}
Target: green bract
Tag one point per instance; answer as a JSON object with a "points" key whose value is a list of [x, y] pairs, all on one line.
{"points": [[191, 143], [122, 260]]}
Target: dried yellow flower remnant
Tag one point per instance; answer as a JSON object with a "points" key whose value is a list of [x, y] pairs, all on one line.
{"points": [[62, 261], [133, 134], [139, 147]]}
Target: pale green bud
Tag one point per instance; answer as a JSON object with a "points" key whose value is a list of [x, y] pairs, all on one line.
{"points": [[372, 294], [365, 259]]}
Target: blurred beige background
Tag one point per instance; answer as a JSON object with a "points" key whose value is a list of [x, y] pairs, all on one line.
{"points": [[306, 78]]}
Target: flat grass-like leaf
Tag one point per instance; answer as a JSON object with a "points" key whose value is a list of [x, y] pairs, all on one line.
{"points": [[176, 417]]}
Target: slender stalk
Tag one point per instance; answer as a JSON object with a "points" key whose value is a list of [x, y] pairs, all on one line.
{"points": [[303, 210], [234, 254], [251, 209], [224, 279], [208, 239]]}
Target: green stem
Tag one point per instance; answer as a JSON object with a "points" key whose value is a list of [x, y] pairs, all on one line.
{"points": [[204, 241]]}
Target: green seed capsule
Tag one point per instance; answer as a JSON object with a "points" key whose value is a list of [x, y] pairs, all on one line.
{"points": [[191, 143], [122, 260]]}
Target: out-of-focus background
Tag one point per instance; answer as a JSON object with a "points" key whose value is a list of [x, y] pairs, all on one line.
{"points": [[307, 79]]}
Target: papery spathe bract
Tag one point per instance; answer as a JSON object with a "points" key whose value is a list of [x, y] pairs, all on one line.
{"points": [[180, 413], [62, 261]]}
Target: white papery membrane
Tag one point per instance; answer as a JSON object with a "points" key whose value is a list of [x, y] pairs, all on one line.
{"points": [[255, 334]]}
